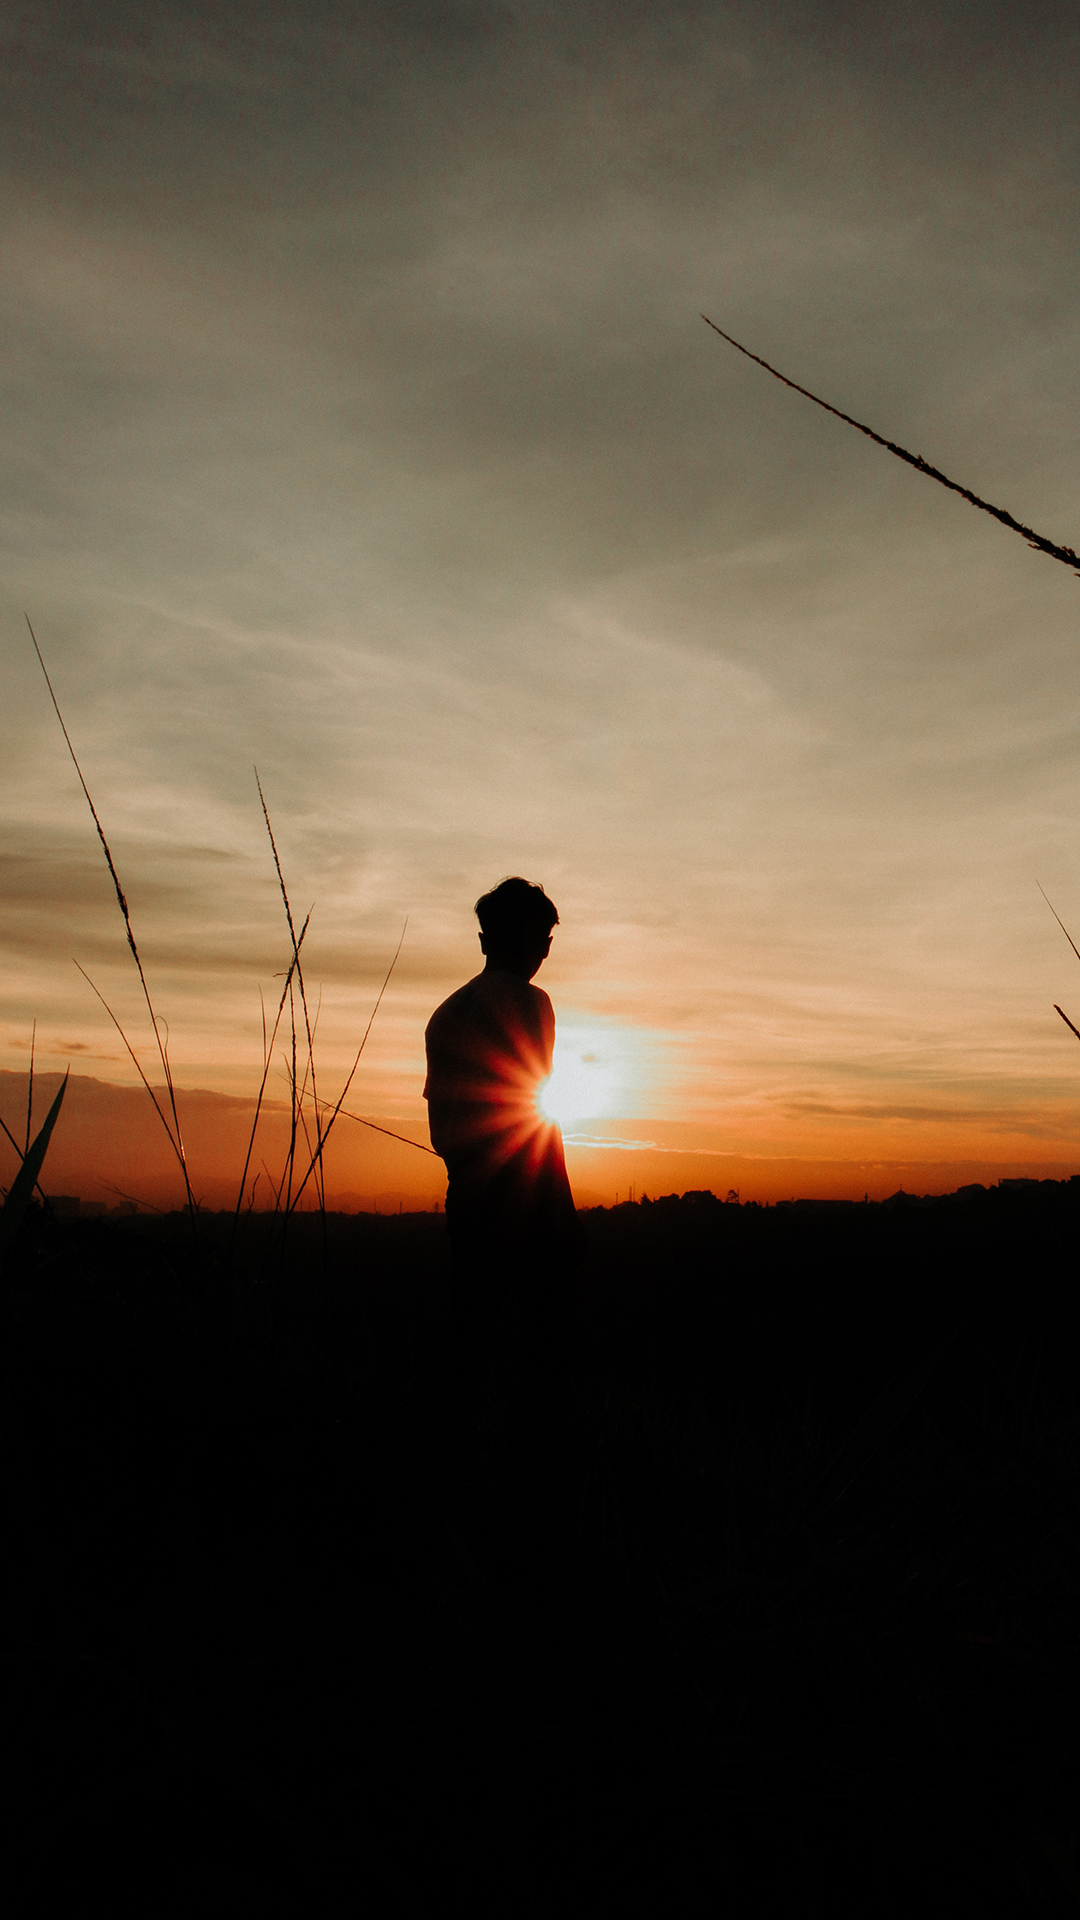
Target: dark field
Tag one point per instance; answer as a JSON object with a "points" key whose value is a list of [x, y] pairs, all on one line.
{"points": [[777, 1611]]}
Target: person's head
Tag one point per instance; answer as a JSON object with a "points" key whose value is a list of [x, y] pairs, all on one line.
{"points": [[516, 919]]}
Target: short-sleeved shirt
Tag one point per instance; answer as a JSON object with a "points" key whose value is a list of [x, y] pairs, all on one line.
{"points": [[489, 1051]]}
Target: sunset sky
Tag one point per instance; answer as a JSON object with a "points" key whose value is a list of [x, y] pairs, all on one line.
{"points": [[360, 423]]}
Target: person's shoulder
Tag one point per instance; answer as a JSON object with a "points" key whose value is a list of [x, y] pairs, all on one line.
{"points": [[510, 989], [540, 1014], [456, 1003]]}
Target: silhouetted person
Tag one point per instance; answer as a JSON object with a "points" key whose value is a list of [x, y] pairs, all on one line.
{"points": [[515, 1236]]}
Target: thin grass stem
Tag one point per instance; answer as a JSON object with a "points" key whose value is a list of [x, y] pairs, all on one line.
{"points": [[325, 1133], [178, 1142], [292, 932], [21, 1154], [134, 1198], [267, 1057], [1036, 540], [276, 1190], [30, 1087], [302, 1095], [291, 1073], [1060, 921], [138, 1068], [1067, 1021], [418, 1144]]}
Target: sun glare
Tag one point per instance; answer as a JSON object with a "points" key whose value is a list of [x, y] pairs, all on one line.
{"points": [[595, 1075]]}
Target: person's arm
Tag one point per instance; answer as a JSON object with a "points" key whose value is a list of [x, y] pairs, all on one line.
{"points": [[436, 1129], [444, 1090], [545, 1019]]}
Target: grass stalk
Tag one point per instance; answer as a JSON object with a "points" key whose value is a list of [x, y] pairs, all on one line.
{"points": [[175, 1133], [30, 1087], [19, 1151], [1067, 1021], [268, 1050], [296, 955], [1075, 948], [1036, 540], [418, 1144], [23, 1152], [22, 1187], [324, 1133], [173, 1141], [290, 1068], [287, 1192]]}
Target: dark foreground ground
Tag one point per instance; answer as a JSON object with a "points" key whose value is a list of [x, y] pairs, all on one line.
{"points": [[777, 1612]]}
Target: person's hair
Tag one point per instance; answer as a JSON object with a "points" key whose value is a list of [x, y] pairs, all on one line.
{"points": [[515, 913]]}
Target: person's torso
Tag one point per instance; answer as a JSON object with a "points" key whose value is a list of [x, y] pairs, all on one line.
{"points": [[489, 1050]]}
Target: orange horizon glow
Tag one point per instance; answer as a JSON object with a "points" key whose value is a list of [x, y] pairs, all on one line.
{"points": [[109, 1145]]}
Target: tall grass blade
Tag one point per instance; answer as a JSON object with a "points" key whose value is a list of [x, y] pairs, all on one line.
{"points": [[18, 1149], [1073, 945], [178, 1142], [320, 1178], [138, 1068], [296, 956], [1067, 1021], [30, 1089], [18, 1199], [134, 1199], [325, 1133], [268, 1054], [1060, 921], [24, 1150], [275, 1190], [290, 1069], [404, 1138], [1036, 540]]}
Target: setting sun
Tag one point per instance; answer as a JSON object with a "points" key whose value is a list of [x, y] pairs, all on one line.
{"points": [[596, 1069]]}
